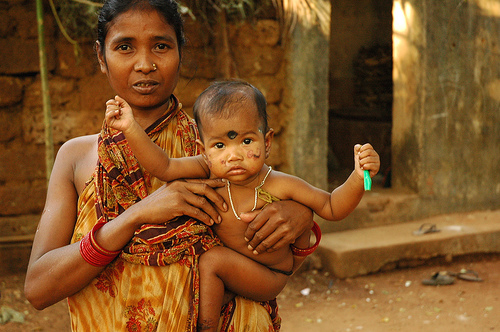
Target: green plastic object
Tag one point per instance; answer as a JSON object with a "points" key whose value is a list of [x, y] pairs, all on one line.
{"points": [[368, 180]]}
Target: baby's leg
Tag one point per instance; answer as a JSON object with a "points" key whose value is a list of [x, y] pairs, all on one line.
{"points": [[221, 268]]}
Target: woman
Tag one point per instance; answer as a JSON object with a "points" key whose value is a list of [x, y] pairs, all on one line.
{"points": [[94, 214]]}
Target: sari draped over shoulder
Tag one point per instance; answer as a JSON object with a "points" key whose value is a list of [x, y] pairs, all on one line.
{"points": [[154, 284]]}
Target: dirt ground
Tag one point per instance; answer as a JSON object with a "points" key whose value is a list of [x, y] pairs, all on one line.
{"points": [[389, 301], [396, 300]]}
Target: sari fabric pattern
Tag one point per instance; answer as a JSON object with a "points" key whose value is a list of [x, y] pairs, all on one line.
{"points": [[154, 283]]}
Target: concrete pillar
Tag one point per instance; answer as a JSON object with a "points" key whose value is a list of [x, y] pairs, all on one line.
{"points": [[307, 79]]}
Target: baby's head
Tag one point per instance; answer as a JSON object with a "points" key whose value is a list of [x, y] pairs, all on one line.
{"points": [[226, 99], [235, 138]]}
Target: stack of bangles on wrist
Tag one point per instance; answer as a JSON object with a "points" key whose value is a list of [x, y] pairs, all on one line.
{"points": [[306, 252], [92, 252]]}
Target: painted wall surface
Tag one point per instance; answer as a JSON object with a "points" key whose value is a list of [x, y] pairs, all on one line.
{"points": [[446, 111]]}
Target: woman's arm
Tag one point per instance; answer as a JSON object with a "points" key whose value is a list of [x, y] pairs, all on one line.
{"points": [[302, 242], [56, 269]]}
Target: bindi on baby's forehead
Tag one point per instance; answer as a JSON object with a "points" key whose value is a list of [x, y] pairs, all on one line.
{"points": [[232, 134]]}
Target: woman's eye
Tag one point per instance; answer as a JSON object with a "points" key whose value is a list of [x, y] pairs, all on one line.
{"points": [[123, 47], [163, 47], [247, 141], [219, 145]]}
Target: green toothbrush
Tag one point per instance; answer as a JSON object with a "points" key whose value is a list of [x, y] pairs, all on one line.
{"points": [[368, 180]]}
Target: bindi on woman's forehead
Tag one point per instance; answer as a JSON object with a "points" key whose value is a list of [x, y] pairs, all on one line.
{"points": [[232, 134]]}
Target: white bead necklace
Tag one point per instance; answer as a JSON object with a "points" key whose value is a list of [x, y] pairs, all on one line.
{"points": [[256, 194]]}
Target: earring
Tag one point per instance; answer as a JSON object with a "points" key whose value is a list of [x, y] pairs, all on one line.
{"points": [[154, 67]]}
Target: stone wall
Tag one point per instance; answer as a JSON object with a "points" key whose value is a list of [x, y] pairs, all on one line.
{"points": [[78, 92]]}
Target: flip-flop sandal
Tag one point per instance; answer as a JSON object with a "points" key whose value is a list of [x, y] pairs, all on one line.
{"points": [[426, 229], [439, 279], [467, 275]]}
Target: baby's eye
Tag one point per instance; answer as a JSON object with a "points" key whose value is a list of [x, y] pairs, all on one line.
{"points": [[219, 145], [247, 141]]}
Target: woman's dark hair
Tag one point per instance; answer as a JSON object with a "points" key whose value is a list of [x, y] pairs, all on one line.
{"points": [[169, 9], [218, 98]]}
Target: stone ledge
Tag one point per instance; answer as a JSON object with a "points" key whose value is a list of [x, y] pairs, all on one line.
{"points": [[369, 250]]}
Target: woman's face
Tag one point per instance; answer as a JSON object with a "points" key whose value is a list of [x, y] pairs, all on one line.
{"points": [[136, 40]]}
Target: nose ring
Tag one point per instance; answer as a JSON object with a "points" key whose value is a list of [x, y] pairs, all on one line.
{"points": [[154, 67]]}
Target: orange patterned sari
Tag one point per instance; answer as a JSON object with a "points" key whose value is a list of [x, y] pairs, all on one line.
{"points": [[153, 285]]}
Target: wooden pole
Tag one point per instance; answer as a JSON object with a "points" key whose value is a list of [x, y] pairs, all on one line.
{"points": [[47, 113]]}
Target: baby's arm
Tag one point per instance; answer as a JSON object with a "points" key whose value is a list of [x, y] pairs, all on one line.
{"points": [[344, 199], [119, 116]]}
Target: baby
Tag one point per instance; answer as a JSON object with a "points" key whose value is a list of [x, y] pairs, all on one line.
{"points": [[235, 141]]}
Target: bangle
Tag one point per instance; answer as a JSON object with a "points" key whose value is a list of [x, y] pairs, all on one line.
{"points": [[92, 252], [306, 252]]}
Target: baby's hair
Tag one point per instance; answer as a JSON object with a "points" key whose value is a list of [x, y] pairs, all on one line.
{"points": [[218, 98]]}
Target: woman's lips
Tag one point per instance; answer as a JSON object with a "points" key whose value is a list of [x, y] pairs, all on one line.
{"points": [[145, 87]]}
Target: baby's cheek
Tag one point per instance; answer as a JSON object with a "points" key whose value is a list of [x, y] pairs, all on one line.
{"points": [[214, 160], [254, 155]]}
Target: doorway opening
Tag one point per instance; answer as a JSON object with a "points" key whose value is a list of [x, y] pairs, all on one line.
{"points": [[361, 85]]}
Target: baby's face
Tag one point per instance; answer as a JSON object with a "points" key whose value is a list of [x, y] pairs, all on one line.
{"points": [[235, 147]]}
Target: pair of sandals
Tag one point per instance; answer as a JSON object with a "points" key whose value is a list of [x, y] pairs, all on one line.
{"points": [[448, 278]]}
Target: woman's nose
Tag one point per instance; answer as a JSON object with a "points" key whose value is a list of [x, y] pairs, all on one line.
{"points": [[144, 64]]}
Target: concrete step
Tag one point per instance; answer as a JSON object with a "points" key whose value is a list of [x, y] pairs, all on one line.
{"points": [[363, 251]]}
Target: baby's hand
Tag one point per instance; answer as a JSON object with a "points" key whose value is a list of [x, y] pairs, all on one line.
{"points": [[119, 115], [366, 158]]}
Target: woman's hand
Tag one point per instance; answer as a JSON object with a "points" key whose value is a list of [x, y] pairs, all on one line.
{"points": [[194, 198], [277, 225]]}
